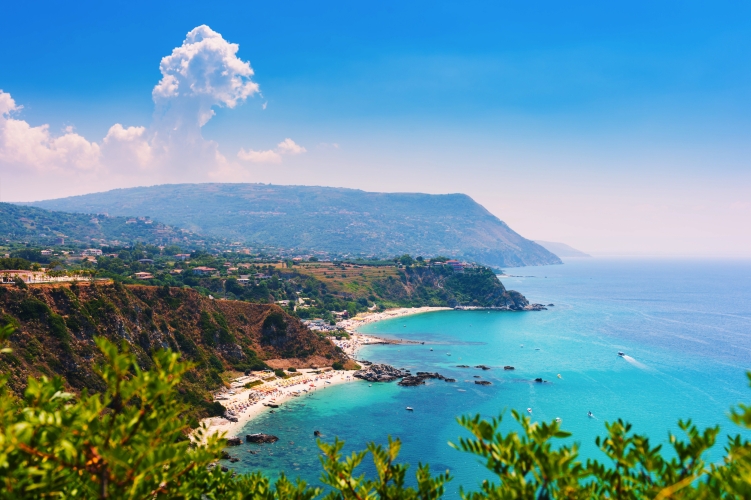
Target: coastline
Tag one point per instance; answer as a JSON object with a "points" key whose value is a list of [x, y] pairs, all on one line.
{"points": [[247, 404]]}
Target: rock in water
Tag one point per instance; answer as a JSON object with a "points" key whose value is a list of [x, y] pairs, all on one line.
{"points": [[508, 367], [261, 438], [317, 433], [412, 381], [482, 382], [483, 367], [380, 373], [234, 441]]}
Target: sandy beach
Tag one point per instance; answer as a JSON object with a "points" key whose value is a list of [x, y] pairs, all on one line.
{"points": [[245, 404]]}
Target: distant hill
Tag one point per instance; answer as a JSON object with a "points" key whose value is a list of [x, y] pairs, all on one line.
{"points": [[562, 250], [44, 227], [335, 220]]}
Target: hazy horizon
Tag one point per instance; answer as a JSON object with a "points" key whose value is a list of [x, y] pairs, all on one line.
{"points": [[617, 129]]}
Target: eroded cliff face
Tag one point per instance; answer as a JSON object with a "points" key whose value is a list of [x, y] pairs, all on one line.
{"points": [[56, 327]]}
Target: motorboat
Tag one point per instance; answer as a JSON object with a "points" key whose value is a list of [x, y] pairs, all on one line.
{"points": [[431, 348], [621, 353], [558, 419], [409, 408], [529, 410], [590, 414]]}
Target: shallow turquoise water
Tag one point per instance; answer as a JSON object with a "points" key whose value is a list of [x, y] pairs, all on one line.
{"points": [[686, 327]]}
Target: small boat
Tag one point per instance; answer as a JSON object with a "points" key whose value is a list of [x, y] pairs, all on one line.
{"points": [[431, 348], [621, 353], [409, 408], [558, 419], [370, 385], [448, 354], [529, 410], [590, 415], [521, 345], [559, 376]]}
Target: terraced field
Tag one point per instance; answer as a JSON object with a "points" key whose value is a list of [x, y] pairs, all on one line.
{"points": [[352, 279]]}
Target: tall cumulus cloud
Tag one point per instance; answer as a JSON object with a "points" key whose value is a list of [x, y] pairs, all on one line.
{"points": [[198, 76]]}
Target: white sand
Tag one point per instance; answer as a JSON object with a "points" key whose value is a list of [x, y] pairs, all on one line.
{"points": [[277, 392], [281, 390]]}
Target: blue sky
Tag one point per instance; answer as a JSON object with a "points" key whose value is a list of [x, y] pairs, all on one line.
{"points": [[619, 128]]}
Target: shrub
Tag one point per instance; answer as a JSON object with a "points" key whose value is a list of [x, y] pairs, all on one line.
{"points": [[292, 369], [337, 365], [130, 442], [280, 373]]}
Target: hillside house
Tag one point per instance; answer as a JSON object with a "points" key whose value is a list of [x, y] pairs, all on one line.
{"points": [[203, 270], [10, 275], [143, 276], [455, 265], [92, 252]]}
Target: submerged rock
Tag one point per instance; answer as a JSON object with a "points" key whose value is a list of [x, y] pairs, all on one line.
{"points": [[482, 382], [508, 367], [259, 437], [462, 366], [483, 367], [412, 381]]}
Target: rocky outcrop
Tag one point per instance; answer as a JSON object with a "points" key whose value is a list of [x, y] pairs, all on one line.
{"points": [[381, 373], [508, 367], [234, 441], [421, 377], [483, 367], [387, 373], [259, 437]]}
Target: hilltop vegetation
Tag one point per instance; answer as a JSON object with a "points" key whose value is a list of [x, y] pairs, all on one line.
{"points": [[38, 227], [334, 221], [56, 326]]}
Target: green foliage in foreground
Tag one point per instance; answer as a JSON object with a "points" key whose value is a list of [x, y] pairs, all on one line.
{"points": [[131, 442]]}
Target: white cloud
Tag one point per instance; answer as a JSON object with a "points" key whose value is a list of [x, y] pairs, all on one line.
{"points": [[203, 73], [268, 156], [286, 147], [127, 146], [24, 146]]}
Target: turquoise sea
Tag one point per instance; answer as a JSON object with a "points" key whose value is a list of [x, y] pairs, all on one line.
{"points": [[684, 325]]}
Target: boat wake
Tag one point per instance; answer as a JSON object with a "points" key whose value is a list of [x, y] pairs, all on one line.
{"points": [[634, 362]]}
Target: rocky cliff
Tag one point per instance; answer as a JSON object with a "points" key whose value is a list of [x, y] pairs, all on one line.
{"points": [[56, 326]]}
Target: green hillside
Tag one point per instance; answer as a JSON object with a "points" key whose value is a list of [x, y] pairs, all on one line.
{"points": [[55, 328], [333, 220], [25, 224]]}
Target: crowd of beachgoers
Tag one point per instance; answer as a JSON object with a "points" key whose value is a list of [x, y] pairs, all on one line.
{"points": [[243, 404]]}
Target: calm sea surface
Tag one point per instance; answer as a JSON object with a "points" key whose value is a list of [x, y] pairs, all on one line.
{"points": [[684, 325]]}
